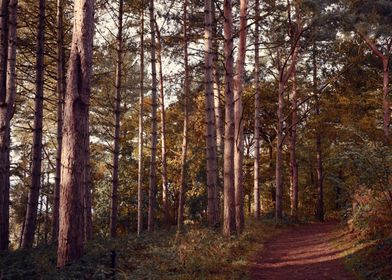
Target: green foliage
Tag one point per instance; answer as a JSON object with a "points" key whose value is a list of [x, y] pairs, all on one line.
{"points": [[199, 253], [369, 260]]}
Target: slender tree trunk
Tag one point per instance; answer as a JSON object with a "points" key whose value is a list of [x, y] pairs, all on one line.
{"points": [[165, 201], [320, 188], [39, 214], [292, 148], [385, 99], [229, 142], [24, 202], [11, 88], [46, 218], [218, 109], [286, 71], [183, 184], [31, 214], [153, 175], [21, 231], [239, 126], [61, 84], [293, 129], [70, 243], [141, 114], [216, 82], [117, 116], [319, 159], [8, 10], [212, 182], [279, 154], [256, 175]]}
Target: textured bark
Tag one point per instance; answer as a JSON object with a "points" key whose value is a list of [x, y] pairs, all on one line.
{"points": [[165, 201], [211, 156], [238, 124], [88, 223], [61, 84], [319, 161], [181, 200], [8, 10], [229, 143], [31, 214], [75, 132], [117, 116], [153, 176], [141, 114], [256, 175]]}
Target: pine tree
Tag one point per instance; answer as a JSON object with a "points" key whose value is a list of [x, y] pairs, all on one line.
{"points": [[75, 132]]}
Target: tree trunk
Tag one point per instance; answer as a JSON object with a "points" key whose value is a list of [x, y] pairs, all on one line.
{"points": [[256, 175], [319, 160], [183, 185], [320, 188], [61, 84], [212, 182], [216, 82], [165, 201], [141, 114], [117, 116], [152, 176], [7, 98], [229, 143], [218, 109], [239, 126], [46, 218], [385, 99], [39, 213], [75, 132], [285, 72], [31, 214], [88, 223], [279, 155], [292, 148]]}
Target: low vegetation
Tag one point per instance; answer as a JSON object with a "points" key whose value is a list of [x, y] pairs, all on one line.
{"points": [[199, 253], [369, 259]]}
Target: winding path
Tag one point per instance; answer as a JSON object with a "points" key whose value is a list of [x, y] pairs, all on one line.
{"points": [[303, 253]]}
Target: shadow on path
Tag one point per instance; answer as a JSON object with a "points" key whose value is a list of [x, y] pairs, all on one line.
{"points": [[303, 253]]}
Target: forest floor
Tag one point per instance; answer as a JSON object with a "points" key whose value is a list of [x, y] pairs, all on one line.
{"points": [[198, 253], [301, 253]]}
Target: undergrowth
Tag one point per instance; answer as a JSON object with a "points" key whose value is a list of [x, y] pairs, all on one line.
{"points": [[369, 259], [198, 253]]}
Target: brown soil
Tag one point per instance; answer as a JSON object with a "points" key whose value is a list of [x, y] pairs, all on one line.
{"points": [[302, 253]]}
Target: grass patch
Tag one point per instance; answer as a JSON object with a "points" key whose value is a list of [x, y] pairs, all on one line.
{"points": [[198, 253]]}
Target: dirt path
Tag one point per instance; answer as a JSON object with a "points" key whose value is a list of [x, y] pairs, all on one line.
{"points": [[303, 253]]}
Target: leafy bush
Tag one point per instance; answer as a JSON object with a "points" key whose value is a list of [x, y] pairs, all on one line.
{"points": [[369, 186]]}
